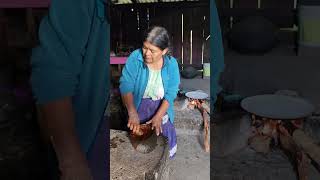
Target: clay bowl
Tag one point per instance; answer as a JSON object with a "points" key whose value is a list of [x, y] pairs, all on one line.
{"points": [[145, 132], [145, 141]]}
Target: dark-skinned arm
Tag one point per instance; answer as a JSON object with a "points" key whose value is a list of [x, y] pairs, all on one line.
{"points": [[57, 121], [157, 118], [56, 66], [133, 121]]}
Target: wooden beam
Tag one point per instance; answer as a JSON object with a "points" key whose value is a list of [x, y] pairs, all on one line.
{"points": [[161, 4], [278, 12]]}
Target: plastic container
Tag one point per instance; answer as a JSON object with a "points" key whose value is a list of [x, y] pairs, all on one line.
{"points": [[309, 28], [206, 70]]}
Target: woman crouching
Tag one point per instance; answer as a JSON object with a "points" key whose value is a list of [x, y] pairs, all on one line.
{"points": [[149, 84]]}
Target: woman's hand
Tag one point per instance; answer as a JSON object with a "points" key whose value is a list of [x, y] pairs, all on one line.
{"points": [[134, 122], [156, 124]]}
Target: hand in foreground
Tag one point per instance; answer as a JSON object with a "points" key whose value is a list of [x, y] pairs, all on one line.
{"points": [[156, 124], [134, 123]]}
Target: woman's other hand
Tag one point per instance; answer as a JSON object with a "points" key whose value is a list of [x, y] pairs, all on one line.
{"points": [[134, 122], [156, 124]]}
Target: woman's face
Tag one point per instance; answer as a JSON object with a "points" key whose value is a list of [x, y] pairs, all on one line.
{"points": [[151, 53]]}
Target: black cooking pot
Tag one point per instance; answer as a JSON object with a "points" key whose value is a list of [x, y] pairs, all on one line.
{"points": [[189, 72], [253, 35]]}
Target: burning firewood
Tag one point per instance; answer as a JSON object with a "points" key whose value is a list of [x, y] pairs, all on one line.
{"points": [[263, 132], [206, 131], [192, 104], [204, 111], [206, 107], [293, 141], [288, 131]]}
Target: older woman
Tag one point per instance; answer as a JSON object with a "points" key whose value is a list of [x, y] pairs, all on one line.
{"points": [[149, 84]]}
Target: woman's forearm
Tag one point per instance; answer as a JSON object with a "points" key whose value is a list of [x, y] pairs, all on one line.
{"points": [[128, 102], [157, 118], [163, 109], [58, 122], [133, 120]]}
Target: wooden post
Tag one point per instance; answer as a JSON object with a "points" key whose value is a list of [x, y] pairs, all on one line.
{"points": [[307, 144], [190, 46], [204, 112], [31, 29], [297, 154], [182, 40]]}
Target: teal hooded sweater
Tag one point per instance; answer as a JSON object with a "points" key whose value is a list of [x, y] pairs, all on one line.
{"points": [[135, 76]]}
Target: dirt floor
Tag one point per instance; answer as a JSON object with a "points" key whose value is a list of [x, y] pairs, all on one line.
{"points": [[21, 151]]}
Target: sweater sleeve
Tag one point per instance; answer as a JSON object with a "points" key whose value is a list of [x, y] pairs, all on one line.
{"points": [[129, 74], [56, 62], [173, 81], [217, 54]]}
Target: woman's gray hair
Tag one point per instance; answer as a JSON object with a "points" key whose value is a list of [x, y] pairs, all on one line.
{"points": [[158, 36]]}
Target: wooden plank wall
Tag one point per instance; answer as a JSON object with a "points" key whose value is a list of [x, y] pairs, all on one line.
{"points": [[3, 36], [124, 28], [281, 13]]}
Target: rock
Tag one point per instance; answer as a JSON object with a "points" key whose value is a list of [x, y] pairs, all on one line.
{"points": [[260, 144], [231, 135]]}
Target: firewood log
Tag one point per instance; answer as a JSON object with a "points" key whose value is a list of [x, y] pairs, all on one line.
{"points": [[307, 144], [205, 117], [206, 131], [295, 153], [206, 107]]}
